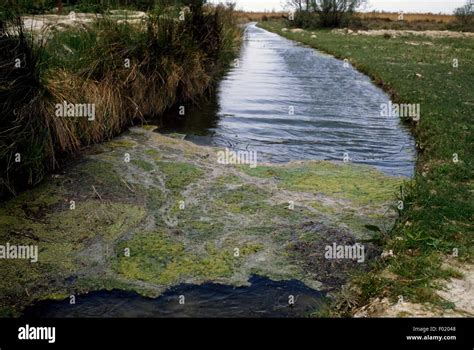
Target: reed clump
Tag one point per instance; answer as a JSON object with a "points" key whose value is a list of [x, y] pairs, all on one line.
{"points": [[127, 71]]}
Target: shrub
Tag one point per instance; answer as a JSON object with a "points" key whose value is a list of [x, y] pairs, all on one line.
{"points": [[464, 18], [306, 20], [324, 13], [465, 14]]}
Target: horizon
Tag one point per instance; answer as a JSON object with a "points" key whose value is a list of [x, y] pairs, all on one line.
{"points": [[446, 7]]}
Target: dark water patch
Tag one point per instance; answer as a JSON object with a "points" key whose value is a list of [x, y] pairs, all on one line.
{"points": [[263, 298], [336, 109]]}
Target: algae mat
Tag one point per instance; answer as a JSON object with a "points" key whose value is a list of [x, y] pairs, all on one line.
{"points": [[146, 212]]}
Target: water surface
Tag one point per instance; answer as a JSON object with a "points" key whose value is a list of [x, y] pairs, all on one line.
{"points": [[263, 298], [291, 102]]}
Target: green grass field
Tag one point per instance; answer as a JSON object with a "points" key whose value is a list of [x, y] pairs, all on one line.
{"points": [[435, 225]]}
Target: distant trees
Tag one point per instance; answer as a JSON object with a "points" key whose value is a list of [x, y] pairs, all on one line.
{"points": [[465, 14], [297, 5], [330, 13], [464, 18]]}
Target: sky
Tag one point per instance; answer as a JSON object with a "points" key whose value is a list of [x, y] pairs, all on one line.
{"points": [[434, 6]]}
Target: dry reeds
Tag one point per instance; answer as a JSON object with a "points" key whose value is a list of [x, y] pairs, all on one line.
{"points": [[126, 71]]}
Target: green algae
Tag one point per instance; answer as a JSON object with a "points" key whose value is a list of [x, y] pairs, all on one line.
{"points": [[360, 184], [54, 296], [142, 164], [240, 199], [199, 228], [357, 218], [104, 179], [156, 258], [227, 180], [155, 199], [282, 214], [121, 143], [47, 220], [179, 175], [98, 173], [154, 154], [179, 221]]}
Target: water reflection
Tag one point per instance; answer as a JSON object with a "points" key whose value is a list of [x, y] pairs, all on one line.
{"points": [[290, 102]]}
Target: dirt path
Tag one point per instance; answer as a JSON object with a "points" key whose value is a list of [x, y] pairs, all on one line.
{"points": [[459, 292], [47, 22]]}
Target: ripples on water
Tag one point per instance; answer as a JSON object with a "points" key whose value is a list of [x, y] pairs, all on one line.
{"points": [[336, 109]]}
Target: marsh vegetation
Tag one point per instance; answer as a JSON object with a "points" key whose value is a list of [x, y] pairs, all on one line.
{"points": [[128, 71]]}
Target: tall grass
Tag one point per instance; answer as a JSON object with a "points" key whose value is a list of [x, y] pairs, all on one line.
{"points": [[128, 71], [22, 128]]}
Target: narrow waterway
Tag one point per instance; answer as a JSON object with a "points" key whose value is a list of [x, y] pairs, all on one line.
{"points": [[291, 102], [287, 102]]}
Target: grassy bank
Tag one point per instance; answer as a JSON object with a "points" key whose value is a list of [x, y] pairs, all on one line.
{"points": [[123, 71], [435, 225]]}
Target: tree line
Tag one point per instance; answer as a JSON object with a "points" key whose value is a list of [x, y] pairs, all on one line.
{"points": [[338, 13], [324, 13]]}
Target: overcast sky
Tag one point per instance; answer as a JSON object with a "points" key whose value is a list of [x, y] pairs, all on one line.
{"points": [[434, 6]]}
